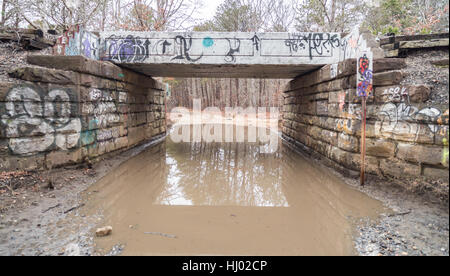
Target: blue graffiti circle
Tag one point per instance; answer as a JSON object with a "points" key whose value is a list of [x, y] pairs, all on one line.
{"points": [[208, 42]]}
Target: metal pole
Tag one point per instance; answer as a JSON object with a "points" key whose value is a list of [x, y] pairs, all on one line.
{"points": [[363, 141]]}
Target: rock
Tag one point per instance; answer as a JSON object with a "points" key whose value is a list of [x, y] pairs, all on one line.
{"points": [[380, 148], [73, 250], [103, 232], [424, 43], [431, 155], [396, 94], [388, 78], [441, 62]]}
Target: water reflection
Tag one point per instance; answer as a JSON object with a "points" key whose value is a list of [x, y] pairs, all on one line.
{"points": [[221, 174], [227, 199]]}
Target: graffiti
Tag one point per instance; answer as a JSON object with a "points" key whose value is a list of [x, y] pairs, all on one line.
{"points": [[135, 49], [445, 152], [394, 113], [333, 70], [123, 97], [354, 111], [103, 109], [365, 75], [317, 44], [235, 47], [165, 44], [444, 119], [72, 45], [68, 43], [129, 49], [166, 47], [89, 45], [208, 42], [345, 125], [364, 64], [185, 47], [256, 42], [77, 41], [444, 132], [399, 112], [397, 94], [36, 122], [341, 99], [351, 44], [103, 113]]}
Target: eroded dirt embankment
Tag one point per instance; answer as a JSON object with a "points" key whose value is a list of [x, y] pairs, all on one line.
{"points": [[38, 219]]}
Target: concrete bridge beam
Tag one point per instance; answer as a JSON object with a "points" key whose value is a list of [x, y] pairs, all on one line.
{"points": [[199, 54]]}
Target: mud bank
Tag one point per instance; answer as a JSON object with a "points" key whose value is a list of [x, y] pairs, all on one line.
{"points": [[38, 220]]}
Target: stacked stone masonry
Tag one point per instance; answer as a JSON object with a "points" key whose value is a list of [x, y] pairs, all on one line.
{"points": [[77, 110], [405, 136]]}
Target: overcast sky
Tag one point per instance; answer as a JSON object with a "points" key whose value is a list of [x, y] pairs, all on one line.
{"points": [[209, 9]]}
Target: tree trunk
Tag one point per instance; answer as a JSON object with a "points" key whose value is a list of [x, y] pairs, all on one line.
{"points": [[237, 93], [333, 16], [3, 14], [105, 5], [17, 22], [231, 94]]}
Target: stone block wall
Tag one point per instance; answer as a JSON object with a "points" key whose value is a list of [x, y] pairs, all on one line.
{"points": [[70, 109], [407, 136]]}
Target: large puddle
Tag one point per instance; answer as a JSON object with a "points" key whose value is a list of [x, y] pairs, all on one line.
{"points": [[227, 199]]}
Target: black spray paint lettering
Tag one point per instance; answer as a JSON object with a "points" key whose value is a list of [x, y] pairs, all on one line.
{"points": [[161, 47], [165, 45], [256, 42], [147, 44], [185, 47], [317, 43], [236, 48]]}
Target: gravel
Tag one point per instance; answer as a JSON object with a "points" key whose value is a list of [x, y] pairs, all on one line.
{"points": [[422, 71], [13, 56], [417, 226]]}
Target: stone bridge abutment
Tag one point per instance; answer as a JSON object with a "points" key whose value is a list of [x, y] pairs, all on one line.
{"points": [[71, 109], [407, 133]]}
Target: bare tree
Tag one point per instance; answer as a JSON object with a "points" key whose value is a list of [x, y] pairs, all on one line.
{"points": [[9, 14], [281, 15], [3, 14], [160, 15], [59, 14], [174, 13], [250, 16], [259, 11], [408, 17], [329, 15], [429, 16]]}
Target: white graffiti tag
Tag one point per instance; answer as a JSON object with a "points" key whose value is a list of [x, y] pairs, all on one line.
{"points": [[398, 113], [35, 123], [397, 94]]}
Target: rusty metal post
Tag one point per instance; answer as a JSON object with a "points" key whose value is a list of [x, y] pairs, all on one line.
{"points": [[364, 87], [363, 141]]}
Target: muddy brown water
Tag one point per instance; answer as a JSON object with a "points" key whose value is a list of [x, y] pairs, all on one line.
{"points": [[227, 199]]}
